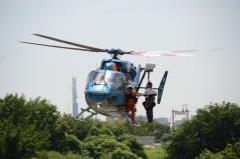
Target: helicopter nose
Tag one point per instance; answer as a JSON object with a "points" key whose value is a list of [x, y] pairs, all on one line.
{"points": [[96, 88], [95, 98], [102, 94], [96, 93]]}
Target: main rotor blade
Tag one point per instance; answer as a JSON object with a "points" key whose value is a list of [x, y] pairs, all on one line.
{"points": [[71, 43], [199, 50], [55, 46], [169, 53], [157, 54]]}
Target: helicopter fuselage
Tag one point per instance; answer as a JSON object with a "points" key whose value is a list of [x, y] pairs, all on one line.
{"points": [[106, 86]]}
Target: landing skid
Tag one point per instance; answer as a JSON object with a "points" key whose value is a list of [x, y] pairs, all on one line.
{"points": [[96, 111], [89, 110]]}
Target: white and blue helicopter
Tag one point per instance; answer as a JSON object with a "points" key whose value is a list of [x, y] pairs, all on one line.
{"points": [[106, 86]]}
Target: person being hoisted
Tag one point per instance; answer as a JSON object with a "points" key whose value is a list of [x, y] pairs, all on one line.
{"points": [[149, 102], [131, 100]]}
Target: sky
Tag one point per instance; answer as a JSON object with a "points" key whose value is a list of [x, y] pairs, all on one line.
{"points": [[142, 25]]}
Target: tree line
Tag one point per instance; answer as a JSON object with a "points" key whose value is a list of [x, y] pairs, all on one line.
{"points": [[214, 133], [35, 129]]}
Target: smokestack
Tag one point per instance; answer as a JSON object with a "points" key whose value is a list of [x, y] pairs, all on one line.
{"points": [[74, 97]]}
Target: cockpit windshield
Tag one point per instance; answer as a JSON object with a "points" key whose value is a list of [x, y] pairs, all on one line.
{"points": [[107, 76]]}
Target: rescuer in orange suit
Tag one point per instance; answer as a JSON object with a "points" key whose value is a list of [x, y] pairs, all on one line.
{"points": [[131, 100]]}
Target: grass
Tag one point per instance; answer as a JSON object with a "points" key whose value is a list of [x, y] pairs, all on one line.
{"points": [[156, 153]]}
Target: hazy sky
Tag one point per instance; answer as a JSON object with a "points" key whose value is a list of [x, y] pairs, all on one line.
{"points": [[144, 25]]}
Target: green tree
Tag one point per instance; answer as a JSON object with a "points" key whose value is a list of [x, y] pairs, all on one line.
{"points": [[35, 129], [95, 131], [22, 133], [80, 129], [57, 155], [149, 129], [72, 144], [59, 136], [212, 128], [67, 125], [232, 151], [133, 144], [120, 154], [96, 146]]}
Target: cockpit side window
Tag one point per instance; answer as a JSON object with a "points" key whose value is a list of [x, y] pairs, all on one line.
{"points": [[95, 76], [91, 76]]}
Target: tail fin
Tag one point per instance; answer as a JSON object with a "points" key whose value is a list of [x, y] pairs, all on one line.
{"points": [[138, 75], [161, 87]]}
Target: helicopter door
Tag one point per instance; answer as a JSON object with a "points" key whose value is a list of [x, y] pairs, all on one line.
{"points": [[115, 81]]}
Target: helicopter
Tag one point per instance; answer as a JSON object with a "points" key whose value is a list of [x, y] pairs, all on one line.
{"points": [[106, 86]]}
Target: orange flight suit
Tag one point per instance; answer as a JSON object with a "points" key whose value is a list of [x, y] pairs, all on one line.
{"points": [[130, 103]]}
